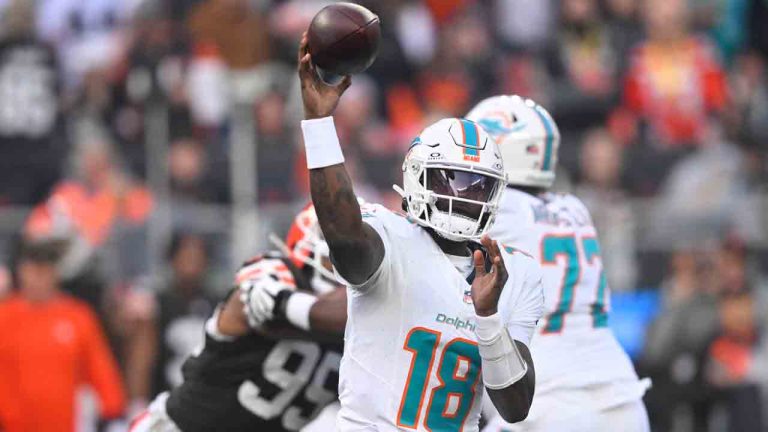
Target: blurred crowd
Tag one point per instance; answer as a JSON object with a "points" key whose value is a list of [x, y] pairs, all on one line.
{"points": [[120, 119]]}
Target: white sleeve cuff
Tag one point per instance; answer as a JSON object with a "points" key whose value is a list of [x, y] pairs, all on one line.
{"points": [[488, 328], [212, 328], [503, 365], [321, 143], [298, 308]]}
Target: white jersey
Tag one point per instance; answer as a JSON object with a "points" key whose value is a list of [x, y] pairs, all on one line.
{"points": [[410, 353], [573, 346]]}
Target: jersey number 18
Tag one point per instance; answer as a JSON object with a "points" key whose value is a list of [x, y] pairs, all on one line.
{"points": [[457, 372]]}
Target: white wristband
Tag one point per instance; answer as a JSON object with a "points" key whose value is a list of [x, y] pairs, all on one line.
{"points": [[488, 327], [297, 309], [212, 327], [502, 363], [321, 143]]}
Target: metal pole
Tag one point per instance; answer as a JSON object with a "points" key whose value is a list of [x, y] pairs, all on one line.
{"points": [[244, 179], [158, 178]]}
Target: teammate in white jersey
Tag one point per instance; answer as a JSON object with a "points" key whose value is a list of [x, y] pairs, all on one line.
{"points": [[585, 381], [428, 308]]}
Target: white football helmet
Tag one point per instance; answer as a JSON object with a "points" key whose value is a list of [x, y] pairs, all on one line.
{"points": [[453, 178], [527, 136]]}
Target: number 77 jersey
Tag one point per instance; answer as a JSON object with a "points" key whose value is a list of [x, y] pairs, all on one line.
{"points": [[573, 346]]}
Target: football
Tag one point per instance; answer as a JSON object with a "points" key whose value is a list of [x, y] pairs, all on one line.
{"points": [[343, 39]]}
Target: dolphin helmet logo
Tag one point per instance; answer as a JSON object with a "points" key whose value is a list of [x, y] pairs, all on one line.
{"points": [[495, 128]]}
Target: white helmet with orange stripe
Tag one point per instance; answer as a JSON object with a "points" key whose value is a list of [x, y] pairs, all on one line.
{"points": [[453, 178], [306, 247], [303, 263], [527, 136]]}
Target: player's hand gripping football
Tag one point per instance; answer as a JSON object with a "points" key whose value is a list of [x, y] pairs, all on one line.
{"points": [[320, 99], [487, 286]]}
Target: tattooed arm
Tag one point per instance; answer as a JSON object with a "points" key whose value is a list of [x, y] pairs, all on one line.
{"points": [[356, 248]]}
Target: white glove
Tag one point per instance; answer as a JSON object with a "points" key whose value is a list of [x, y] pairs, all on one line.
{"points": [[259, 297]]}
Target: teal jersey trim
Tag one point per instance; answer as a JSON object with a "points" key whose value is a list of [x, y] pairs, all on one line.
{"points": [[551, 248], [549, 129], [422, 343], [455, 384], [458, 372], [599, 313]]}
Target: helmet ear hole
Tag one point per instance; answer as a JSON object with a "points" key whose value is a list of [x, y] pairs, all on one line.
{"points": [[405, 204]]}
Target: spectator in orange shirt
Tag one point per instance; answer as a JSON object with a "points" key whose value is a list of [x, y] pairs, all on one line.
{"points": [[102, 212], [50, 345]]}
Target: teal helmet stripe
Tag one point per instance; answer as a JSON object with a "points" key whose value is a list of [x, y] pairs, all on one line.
{"points": [[471, 137], [550, 131]]}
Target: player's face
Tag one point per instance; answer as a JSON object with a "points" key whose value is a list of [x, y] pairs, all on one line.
{"points": [[461, 184]]}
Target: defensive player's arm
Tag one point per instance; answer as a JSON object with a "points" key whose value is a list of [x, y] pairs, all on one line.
{"points": [[329, 314], [508, 372], [327, 317], [356, 248], [268, 298]]}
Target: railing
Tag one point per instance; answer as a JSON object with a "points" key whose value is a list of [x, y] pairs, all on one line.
{"points": [[653, 232], [242, 228]]}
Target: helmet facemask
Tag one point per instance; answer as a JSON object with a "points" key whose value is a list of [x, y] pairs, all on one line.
{"points": [[312, 251], [453, 178], [457, 204]]}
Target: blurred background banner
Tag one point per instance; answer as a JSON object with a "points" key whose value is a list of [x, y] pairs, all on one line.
{"points": [[157, 142]]}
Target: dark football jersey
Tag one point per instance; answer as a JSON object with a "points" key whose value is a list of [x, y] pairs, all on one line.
{"points": [[255, 383], [179, 322]]}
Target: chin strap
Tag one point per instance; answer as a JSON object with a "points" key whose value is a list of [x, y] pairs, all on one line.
{"points": [[488, 264]]}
